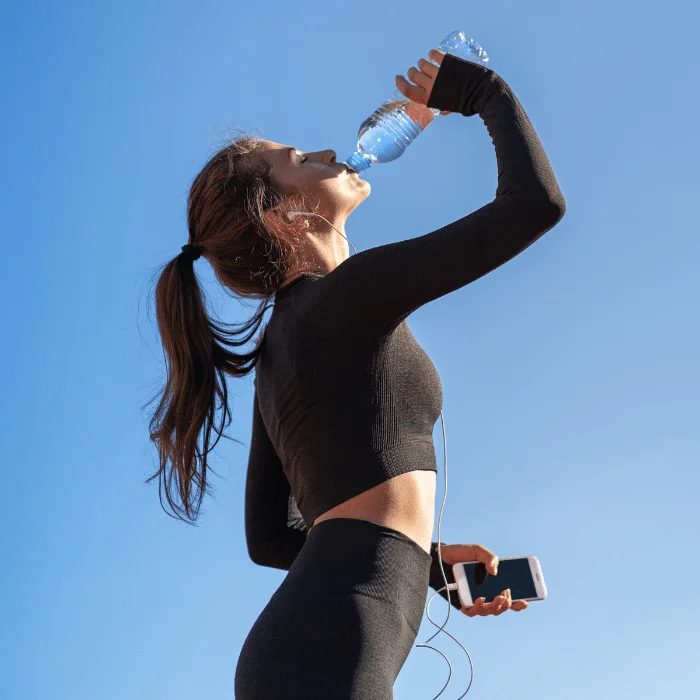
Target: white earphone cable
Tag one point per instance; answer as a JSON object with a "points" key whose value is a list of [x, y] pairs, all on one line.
{"points": [[448, 587]]}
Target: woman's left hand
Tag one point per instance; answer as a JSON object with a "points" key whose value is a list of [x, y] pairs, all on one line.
{"points": [[454, 553]]}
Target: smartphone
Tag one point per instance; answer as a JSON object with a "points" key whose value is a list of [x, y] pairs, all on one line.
{"points": [[523, 575]]}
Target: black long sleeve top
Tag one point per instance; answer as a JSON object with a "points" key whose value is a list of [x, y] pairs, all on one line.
{"points": [[345, 398]]}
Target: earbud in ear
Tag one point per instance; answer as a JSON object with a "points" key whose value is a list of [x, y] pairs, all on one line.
{"points": [[313, 213], [299, 213]]}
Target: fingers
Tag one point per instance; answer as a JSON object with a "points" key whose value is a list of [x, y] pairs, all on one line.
{"points": [[481, 608], [414, 93], [488, 558], [497, 606], [430, 69], [472, 552], [453, 553], [419, 78], [423, 77], [475, 609], [436, 55]]}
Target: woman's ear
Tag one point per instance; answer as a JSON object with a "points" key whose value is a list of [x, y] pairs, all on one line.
{"points": [[274, 219], [281, 219]]}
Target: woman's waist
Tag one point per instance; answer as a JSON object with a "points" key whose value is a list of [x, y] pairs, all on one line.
{"points": [[405, 503]]}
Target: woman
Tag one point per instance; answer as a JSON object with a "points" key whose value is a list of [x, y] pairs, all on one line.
{"points": [[345, 399]]}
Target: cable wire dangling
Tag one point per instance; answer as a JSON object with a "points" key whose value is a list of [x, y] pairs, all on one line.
{"points": [[442, 629], [446, 587]]}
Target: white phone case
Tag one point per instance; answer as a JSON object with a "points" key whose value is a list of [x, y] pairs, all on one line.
{"points": [[465, 594]]}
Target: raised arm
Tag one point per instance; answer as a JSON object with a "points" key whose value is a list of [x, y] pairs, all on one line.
{"points": [[375, 289], [270, 539]]}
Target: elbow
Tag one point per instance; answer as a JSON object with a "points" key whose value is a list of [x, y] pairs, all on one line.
{"points": [[259, 558], [254, 555], [269, 557], [258, 555], [257, 551], [547, 209], [555, 208]]}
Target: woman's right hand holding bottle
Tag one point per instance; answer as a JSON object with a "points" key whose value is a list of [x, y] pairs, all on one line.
{"points": [[423, 77]]}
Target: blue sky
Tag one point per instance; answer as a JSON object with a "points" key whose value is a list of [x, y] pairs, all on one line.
{"points": [[570, 374]]}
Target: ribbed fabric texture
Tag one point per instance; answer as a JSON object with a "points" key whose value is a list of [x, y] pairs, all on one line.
{"points": [[343, 621], [345, 397]]}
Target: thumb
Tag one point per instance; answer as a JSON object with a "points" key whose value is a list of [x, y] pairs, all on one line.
{"points": [[487, 558], [471, 552]]}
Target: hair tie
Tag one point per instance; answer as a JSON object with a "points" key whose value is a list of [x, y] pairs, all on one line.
{"points": [[191, 251]]}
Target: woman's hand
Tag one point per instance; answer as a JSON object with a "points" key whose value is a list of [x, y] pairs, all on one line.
{"points": [[423, 79], [454, 553]]}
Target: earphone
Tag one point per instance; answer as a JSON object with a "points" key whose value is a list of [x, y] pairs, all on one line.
{"points": [[313, 213], [448, 587]]}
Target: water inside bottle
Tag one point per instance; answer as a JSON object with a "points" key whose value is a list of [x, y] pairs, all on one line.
{"points": [[387, 132]]}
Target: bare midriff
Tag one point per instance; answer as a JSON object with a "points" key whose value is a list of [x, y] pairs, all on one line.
{"points": [[405, 503]]}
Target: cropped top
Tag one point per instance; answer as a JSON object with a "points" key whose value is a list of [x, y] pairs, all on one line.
{"points": [[345, 397]]}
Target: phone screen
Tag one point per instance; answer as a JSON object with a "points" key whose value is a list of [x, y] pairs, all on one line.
{"points": [[512, 573]]}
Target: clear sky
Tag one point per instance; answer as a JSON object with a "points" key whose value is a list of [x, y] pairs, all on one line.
{"points": [[570, 374]]}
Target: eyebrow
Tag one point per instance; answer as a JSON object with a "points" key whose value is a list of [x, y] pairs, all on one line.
{"points": [[290, 150]]}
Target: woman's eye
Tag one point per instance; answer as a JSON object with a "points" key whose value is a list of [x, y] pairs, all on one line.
{"points": [[304, 159]]}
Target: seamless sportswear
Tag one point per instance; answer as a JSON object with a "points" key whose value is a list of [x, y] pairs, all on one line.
{"points": [[345, 397]]}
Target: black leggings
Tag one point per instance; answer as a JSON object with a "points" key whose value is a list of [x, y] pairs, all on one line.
{"points": [[343, 621]]}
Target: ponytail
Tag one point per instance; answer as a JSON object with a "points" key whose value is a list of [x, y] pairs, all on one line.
{"points": [[197, 361], [251, 256]]}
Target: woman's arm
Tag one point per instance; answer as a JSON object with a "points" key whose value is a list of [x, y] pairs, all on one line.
{"points": [[436, 581], [271, 542], [375, 289], [270, 538]]}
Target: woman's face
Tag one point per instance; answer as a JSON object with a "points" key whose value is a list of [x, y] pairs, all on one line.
{"points": [[332, 189]]}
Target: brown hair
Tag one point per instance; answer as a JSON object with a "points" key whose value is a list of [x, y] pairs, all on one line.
{"points": [[251, 257]]}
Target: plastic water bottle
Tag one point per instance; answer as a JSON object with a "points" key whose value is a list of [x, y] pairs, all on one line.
{"points": [[384, 136]]}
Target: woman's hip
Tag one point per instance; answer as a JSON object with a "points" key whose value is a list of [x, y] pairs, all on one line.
{"points": [[344, 619], [349, 555]]}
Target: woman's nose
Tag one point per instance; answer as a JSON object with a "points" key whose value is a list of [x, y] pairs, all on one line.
{"points": [[328, 156]]}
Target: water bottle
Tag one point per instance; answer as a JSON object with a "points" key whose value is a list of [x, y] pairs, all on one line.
{"points": [[384, 136]]}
